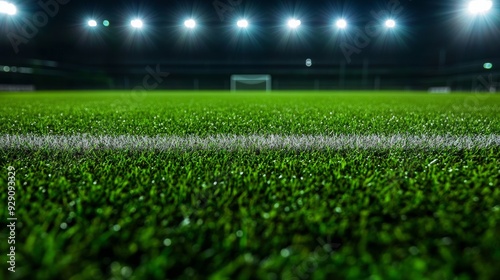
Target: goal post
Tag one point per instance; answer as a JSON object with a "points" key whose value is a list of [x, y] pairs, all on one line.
{"points": [[251, 82]]}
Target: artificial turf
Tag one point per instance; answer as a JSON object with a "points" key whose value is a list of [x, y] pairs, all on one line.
{"points": [[389, 213]]}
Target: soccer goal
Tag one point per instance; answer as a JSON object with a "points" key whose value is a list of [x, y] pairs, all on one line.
{"points": [[250, 82]]}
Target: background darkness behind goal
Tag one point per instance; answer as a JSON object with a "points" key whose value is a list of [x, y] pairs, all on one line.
{"points": [[427, 32]]}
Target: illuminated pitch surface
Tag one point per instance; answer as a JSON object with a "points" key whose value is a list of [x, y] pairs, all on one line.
{"points": [[254, 184]]}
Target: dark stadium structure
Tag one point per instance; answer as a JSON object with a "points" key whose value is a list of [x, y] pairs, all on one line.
{"points": [[435, 44]]}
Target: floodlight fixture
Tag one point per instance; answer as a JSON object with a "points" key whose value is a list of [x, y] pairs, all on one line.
{"points": [[190, 23], [390, 23], [341, 24], [105, 23], [7, 8], [294, 23], [480, 6], [137, 23], [92, 23], [242, 23]]}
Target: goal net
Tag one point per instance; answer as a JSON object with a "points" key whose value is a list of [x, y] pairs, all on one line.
{"points": [[250, 82]]}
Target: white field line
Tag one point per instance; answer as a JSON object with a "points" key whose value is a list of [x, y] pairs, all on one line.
{"points": [[250, 142]]}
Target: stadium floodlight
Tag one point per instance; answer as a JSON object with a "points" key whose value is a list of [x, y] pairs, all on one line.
{"points": [[92, 23], [242, 23], [341, 23], [190, 23], [390, 23], [480, 6], [105, 23], [294, 23], [7, 8], [137, 23]]}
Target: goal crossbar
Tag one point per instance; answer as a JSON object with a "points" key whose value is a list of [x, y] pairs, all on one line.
{"points": [[251, 82]]}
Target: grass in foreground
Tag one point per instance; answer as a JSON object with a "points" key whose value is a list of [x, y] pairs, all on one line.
{"points": [[272, 213]]}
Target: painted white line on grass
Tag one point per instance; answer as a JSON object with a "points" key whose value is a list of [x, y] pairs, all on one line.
{"points": [[250, 142]]}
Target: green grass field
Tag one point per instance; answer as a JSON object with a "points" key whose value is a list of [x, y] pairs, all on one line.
{"points": [[288, 185]]}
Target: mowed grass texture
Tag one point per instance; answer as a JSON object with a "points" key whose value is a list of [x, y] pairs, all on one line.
{"points": [[274, 212], [210, 113]]}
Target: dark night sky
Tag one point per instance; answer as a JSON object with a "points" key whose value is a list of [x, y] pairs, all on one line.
{"points": [[424, 28]]}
